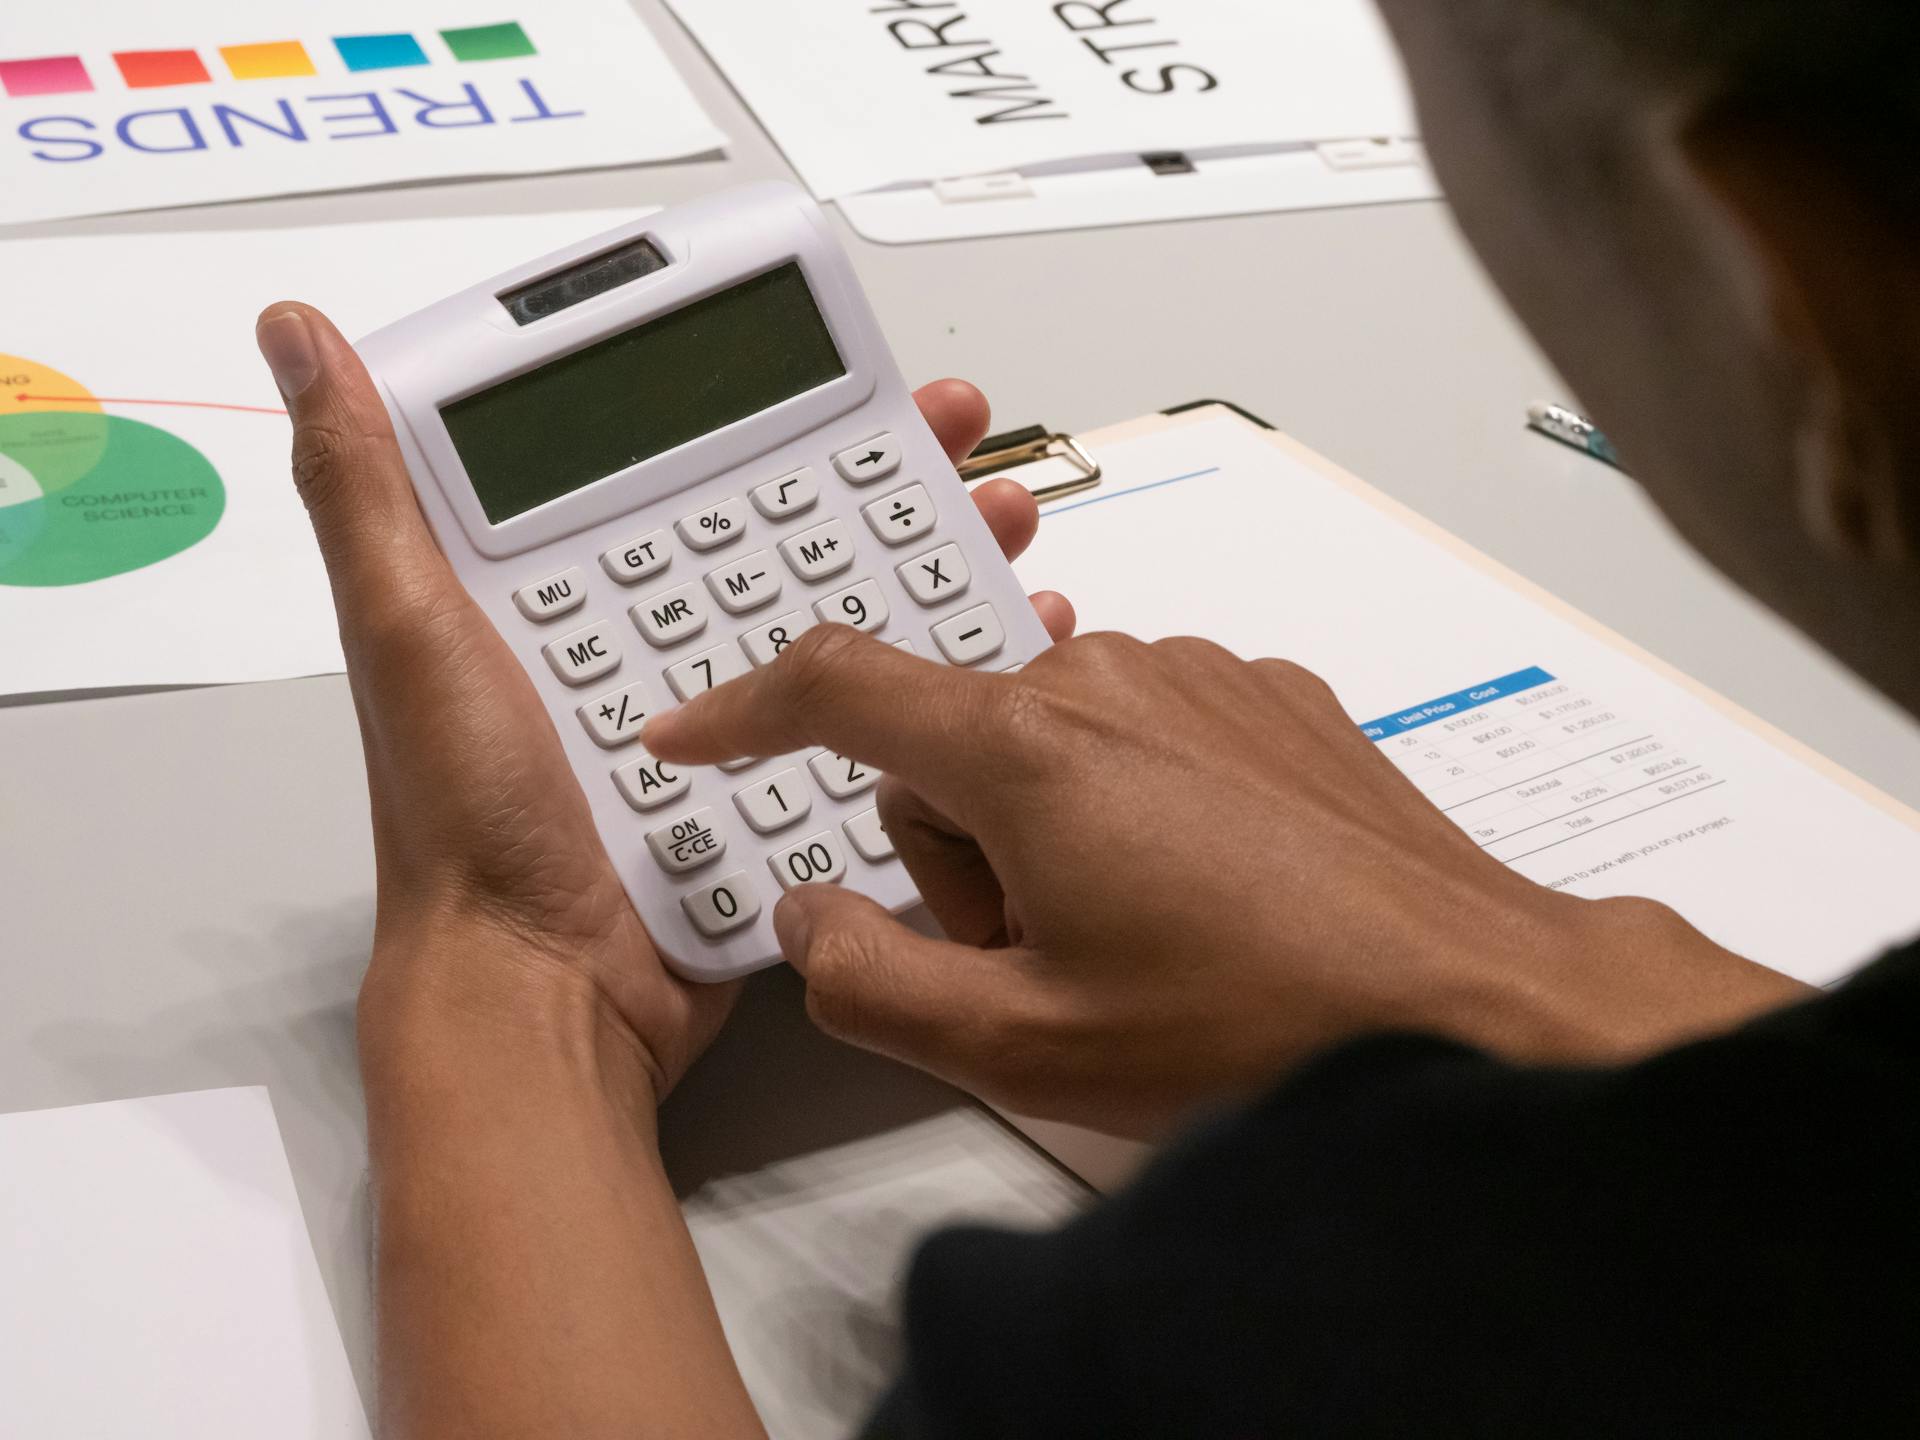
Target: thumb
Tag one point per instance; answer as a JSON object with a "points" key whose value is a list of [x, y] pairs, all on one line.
{"points": [[875, 983], [378, 550]]}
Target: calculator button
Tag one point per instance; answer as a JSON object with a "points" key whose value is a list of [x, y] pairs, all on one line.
{"points": [[902, 516], [971, 636], [822, 551], [868, 836], [715, 526], [724, 906], [817, 859], [672, 615], [688, 843], [788, 496], [842, 777], [614, 720], [765, 644], [936, 577], [747, 584], [555, 595], [637, 559], [775, 802], [860, 605], [698, 674], [875, 460], [647, 783], [584, 655]]}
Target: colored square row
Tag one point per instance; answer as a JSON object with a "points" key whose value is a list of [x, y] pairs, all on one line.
{"points": [[275, 60]]}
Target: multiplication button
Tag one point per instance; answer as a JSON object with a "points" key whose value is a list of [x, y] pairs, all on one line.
{"points": [[615, 720], [688, 843], [584, 655], [724, 906], [936, 577], [637, 559], [554, 596], [715, 526], [902, 516], [788, 496], [875, 460], [816, 860], [971, 636]]}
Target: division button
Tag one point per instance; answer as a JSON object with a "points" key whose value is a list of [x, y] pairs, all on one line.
{"points": [[584, 655], [816, 860], [554, 596], [971, 636], [637, 559], [724, 906], [688, 843], [841, 776], [698, 674], [936, 577], [789, 495], [875, 460], [868, 836], [647, 783], [747, 584], [765, 644], [902, 516], [860, 605], [615, 720], [672, 615], [822, 551], [775, 802], [716, 526]]}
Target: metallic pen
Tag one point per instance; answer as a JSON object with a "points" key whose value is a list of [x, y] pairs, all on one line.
{"points": [[1570, 427]]}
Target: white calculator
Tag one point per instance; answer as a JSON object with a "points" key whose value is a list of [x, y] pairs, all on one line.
{"points": [[654, 459]]}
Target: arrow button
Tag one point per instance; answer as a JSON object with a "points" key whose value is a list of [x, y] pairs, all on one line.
{"points": [[872, 460]]}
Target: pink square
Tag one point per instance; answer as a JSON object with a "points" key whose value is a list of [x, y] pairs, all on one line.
{"points": [[54, 75]]}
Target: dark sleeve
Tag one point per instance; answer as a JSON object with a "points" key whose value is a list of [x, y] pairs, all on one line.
{"points": [[1411, 1238]]}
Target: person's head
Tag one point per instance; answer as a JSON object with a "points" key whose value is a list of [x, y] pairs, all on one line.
{"points": [[1708, 211]]}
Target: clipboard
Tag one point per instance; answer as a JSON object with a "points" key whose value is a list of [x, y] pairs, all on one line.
{"points": [[1562, 748]]}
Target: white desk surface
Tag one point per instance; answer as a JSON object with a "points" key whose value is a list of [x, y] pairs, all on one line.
{"points": [[187, 874]]}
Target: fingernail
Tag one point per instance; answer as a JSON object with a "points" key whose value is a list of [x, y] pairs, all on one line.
{"points": [[793, 928], [287, 345]]}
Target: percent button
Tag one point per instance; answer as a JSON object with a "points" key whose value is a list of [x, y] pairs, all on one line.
{"points": [[710, 529]]}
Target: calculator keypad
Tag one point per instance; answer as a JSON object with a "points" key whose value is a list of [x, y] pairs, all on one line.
{"points": [[902, 516], [585, 655], [788, 496], [775, 802], [698, 674], [637, 559], [937, 576], [822, 551], [860, 605], [615, 720], [747, 584], [816, 859], [715, 526], [688, 843], [841, 777], [764, 643], [874, 460], [971, 636], [647, 783], [724, 906], [672, 616], [555, 596]]}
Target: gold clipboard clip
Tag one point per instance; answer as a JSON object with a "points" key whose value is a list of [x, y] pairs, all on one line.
{"points": [[1014, 448]]}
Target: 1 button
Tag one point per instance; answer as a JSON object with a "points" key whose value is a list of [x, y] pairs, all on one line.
{"points": [[875, 460], [698, 674], [788, 496], [647, 783], [764, 645], [775, 803], [842, 777], [868, 836], [904, 515], [672, 615], [723, 906], [688, 843], [816, 860], [971, 636], [553, 596], [711, 528], [822, 551], [614, 720], [936, 577], [585, 654], [746, 585], [861, 606], [637, 559]]}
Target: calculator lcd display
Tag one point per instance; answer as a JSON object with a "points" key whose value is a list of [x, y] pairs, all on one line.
{"points": [[640, 393]]}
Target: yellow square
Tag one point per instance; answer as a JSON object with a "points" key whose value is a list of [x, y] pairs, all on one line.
{"points": [[275, 60]]}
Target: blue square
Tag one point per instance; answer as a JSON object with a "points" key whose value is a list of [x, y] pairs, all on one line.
{"points": [[379, 52]]}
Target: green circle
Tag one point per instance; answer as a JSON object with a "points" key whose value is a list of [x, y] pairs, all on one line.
{"points": [[117, 495]]}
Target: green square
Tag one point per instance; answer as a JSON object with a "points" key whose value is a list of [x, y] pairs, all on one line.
{"points": [[489, 42]]}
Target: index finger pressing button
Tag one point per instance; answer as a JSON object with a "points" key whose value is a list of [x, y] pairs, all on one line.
{"points": [[841, 776]]}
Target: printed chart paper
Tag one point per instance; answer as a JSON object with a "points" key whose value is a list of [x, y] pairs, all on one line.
{"points": [[1558, 751], [150, 533], [861, 96], [129, 105], [157, 1279]]}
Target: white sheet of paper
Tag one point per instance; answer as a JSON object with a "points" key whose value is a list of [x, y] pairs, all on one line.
{"points": [[1590, 769], [805, 1258], [170, 318], [128, 105], [156, 1277], [862, 96]]}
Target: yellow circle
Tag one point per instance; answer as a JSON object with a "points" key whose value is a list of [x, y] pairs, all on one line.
{"points": [[26, 385]]}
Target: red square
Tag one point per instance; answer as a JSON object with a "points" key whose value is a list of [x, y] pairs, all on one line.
{"points": [[145, 69]]}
